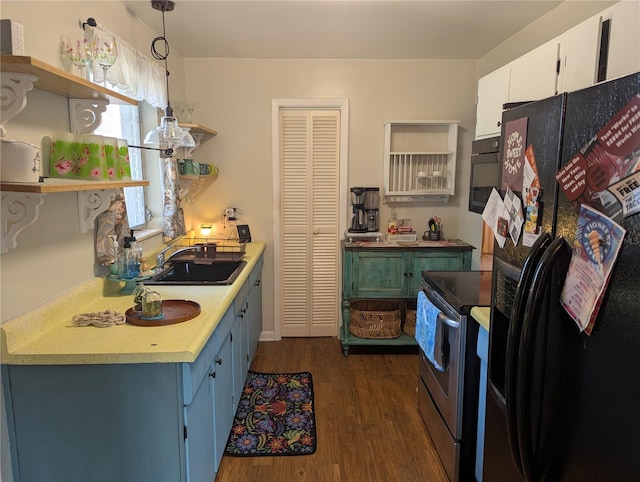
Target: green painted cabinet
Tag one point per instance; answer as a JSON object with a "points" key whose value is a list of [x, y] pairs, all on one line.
{"points": [[392, 271]]}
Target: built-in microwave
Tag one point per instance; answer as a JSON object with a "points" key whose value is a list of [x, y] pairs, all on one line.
{"points": [[485, 171]]}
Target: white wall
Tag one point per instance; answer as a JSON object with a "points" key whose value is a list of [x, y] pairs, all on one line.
{"points": [[234, 98]]}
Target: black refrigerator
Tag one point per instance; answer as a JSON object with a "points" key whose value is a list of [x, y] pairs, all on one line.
{"points": [[561, 405]]}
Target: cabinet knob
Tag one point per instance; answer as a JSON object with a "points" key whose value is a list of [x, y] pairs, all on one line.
{"points": [[212, 374], [219, 361]]}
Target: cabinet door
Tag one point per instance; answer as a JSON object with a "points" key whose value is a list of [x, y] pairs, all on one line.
{"points": [[239, 352], [493, 92], [432, 261], [255, 318], [534, 75], [624, 40], [378, 274], [223, 414], [580, 56], [199, 433]]}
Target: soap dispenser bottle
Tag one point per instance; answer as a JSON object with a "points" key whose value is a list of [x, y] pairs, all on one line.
{"points": [[130, 260], [135, 247]]}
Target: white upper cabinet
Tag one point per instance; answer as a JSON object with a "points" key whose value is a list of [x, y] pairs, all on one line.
{"points": [[579, 56], [624, 38], [534, 75], [493, 92], [608, 42]]}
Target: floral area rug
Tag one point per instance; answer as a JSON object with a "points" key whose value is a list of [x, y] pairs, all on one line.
{"points": [[275, 416]]}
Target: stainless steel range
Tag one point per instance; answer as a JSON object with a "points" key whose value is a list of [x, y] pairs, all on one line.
{"points": [[448, 397]]}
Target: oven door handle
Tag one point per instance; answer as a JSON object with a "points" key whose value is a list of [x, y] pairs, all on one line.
{"points": [[448, 321]]}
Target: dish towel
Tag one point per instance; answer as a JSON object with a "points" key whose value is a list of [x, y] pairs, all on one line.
{"points": [[429, 331]]}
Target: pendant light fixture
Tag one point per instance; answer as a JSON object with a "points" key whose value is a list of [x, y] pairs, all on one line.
{"points": [[168, 134]]}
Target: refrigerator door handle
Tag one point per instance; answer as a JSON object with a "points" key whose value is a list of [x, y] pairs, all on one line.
{"points": [[524, 376], [513, 340]]}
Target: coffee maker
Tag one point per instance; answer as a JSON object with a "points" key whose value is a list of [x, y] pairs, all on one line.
{"points": [[359, 220], [371, 208], [364, 206]]}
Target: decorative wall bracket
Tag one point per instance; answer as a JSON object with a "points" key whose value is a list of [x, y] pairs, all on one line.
{"points": [[90, 205], [14, 95], [85, 115], [19, 210], [189, 188], [187, 152]]}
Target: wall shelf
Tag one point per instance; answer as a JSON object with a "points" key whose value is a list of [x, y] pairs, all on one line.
{"points": [[198, 128], [420, 160], [57, 81], [51, 185], [87, 101], [21, 202]]}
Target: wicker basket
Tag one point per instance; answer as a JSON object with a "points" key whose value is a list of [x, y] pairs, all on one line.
{"points": [[409, 325], [375, 319]]}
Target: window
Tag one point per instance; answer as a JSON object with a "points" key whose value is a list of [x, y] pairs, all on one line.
{"points": [[122, 121]]}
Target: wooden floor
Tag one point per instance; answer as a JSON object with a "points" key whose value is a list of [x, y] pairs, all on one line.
{"points": [[368, 426]]}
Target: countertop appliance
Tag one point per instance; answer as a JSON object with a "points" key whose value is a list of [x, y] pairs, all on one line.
{"points": [[448, 399], [561, 405], [485, 173]]}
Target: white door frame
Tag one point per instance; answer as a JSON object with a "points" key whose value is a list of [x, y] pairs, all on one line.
{"points": [[307, 104]]}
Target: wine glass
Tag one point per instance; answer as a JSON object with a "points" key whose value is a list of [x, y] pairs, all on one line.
{"points": [[179, 109], [191, 106], [105, 51], [76, 47]]}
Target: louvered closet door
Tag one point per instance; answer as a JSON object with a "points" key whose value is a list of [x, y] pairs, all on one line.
{"points": [[310, 247]]}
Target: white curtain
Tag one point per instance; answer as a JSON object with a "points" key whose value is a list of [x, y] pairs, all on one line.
{"points": [[133, 74]]}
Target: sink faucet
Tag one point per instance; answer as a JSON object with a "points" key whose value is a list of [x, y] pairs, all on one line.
{"points": [[161, 259]]}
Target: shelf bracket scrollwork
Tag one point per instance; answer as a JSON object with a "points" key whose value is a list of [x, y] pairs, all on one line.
{"points": [[14, 95], [90, 205], [85, 115], [19, 210], [189, 188]]}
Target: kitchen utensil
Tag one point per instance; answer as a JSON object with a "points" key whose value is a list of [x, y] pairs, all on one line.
{"points": [[20, 161]]}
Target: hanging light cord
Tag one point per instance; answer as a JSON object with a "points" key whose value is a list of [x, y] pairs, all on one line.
{"points": [[163, 56]]}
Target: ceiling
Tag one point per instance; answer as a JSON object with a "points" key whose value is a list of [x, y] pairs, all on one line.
{"points": [[340, 29]]}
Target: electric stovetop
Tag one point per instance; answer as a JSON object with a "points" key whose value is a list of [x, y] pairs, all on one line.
{"points": [[461, 289]]}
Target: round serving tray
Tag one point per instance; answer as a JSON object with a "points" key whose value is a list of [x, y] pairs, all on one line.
{"points": [[174, 311]]}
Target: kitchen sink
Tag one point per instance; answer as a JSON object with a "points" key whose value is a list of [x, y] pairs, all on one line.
{"points": [[198, 273]]}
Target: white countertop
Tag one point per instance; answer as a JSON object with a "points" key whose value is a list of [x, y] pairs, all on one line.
{"points": [[47, 336]]}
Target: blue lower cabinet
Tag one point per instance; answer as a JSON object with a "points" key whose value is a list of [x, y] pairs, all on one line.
{"points": [[483, 354], [200, 432], [146, 422], [224, 408], [96, 423]]}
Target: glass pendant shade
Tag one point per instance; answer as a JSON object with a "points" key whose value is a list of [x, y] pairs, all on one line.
{"points": [[169, 135]]}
